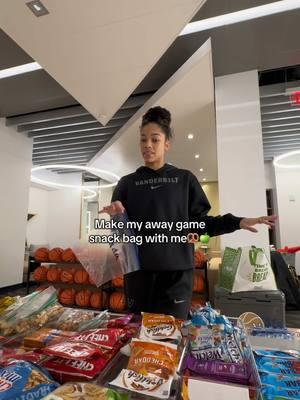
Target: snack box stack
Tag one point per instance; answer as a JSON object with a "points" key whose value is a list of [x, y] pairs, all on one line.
{"points": [[218, 351], [279, 373]]}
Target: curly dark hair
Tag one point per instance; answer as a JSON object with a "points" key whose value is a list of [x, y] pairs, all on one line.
{"points": [[160, 116]]}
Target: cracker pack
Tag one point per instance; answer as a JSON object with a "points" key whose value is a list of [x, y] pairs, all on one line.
{"points": [[150, 370], [159, 327]]}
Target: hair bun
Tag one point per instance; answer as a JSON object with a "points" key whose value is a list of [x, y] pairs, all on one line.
{"points": [[158, 115]]}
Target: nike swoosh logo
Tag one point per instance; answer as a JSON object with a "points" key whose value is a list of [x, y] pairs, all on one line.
{"points": [[155, 187], [178, 301]]}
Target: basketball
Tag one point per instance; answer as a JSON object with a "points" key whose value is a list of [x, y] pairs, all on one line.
{"points": [[68, 256], [118, 282], [67, 275], [41, 254], [91, 281], [81, 277], [198, 283], [95, 300], [199, 259], [40, 274], [82, 298], [53, 274], [251, 320], [55, 254], [66, 296], [197, 302], [117, 301]]}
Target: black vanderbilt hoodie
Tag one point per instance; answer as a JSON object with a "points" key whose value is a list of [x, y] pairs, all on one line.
{"points": [[168, 194]]}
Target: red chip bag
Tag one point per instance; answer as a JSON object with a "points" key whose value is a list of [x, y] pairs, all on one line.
{"points": [[120, 322], [64, 370], [72, 349], [106, 338]]}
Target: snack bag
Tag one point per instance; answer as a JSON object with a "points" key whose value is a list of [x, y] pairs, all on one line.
{"points": [[246, 268], [105, 338], [150, 369], [21, 380], [105, 260], [72, 319], [74, 350], [46, 336], [86, 391], [158, 327], [64, 370]]}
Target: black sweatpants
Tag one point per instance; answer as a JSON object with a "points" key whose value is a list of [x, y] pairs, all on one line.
{"points": [[167, 292]]}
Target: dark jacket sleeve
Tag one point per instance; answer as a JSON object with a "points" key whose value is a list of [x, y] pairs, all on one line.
{"points": [[199, 207], [120, 192]]}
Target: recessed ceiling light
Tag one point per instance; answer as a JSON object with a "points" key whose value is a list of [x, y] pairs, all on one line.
{"points": [[204, 179], [197, 156], [37, 7], [20, 69], [190, 136], [240, 16], [201, 170]]}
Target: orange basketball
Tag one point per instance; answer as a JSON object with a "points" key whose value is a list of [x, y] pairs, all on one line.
{"points": [[82, 298], [53, 274], [41, 254], [55, 254], [198, 283], [199, 259], [118, 282], [40, 274], [197, 302], [95, 300], [91, 281], [117, 301], [67, 275], [68, 256], [66, 296], [81, 277]]}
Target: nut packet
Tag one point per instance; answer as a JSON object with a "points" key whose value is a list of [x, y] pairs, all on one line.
{"points": [[150, 370], [86, 391], [159, 327], [21, 380]]}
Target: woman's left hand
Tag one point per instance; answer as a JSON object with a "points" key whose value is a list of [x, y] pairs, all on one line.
{"points": [[248, 223]]}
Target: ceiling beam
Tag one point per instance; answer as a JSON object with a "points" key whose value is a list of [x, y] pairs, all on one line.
{"points": [[72, 121], [69, 148], [72, 111], [67, 143], [69, 153], [93, 126], [71, 137]]}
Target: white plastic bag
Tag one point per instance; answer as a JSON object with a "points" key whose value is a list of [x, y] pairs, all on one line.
{"points": [[104, 261]]}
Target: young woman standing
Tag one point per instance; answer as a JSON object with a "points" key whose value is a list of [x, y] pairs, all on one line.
{"points": [[162, 192]]}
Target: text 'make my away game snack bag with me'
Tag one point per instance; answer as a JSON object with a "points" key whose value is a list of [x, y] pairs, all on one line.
{"points": [[150, 369], [159, 327]]}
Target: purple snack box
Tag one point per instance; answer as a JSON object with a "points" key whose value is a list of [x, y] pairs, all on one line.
{"points": [[228, 372]]}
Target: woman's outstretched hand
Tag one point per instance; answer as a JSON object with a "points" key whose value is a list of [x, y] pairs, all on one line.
{"points": [[116, 207], [248, 223]]}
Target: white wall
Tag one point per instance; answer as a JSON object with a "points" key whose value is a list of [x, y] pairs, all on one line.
{"points": [[288, 198], [57, 222], [240, 154], [37, 227], [15, 165]]}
